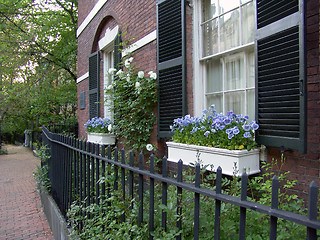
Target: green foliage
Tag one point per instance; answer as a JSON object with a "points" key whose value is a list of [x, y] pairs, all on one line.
{"points": [[104, 220], [134, 97], [3, 151], [41, 174], [38, 63]]}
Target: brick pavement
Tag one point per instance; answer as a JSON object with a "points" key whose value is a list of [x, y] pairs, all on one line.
{"points": [[21, 214]]}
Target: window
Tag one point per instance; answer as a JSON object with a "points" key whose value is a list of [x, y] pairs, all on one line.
{"points": [[251, 65], [107, 64], [227, 55]]}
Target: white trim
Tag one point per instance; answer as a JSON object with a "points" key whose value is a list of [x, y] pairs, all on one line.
{"points": [[140, 43], [90, 16], [198, 69], [83, 77], [108, 38]]}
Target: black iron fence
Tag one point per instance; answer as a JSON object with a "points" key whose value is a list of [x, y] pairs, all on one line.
{"points": [[76, 167], [69, 128]]}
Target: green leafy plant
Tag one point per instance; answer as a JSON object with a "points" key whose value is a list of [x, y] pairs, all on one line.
{"points": [[104, 220], [228, 131], [134, 97], [41, 173], [3, 151], [99, 125]]}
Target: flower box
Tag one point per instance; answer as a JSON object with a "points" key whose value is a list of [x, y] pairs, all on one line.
{"points": [[102, 138], [245, 161]]}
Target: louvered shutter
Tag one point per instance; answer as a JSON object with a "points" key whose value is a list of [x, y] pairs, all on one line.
{"points": [[281, 74], [117, 51], [171, 63], [94, 76]]}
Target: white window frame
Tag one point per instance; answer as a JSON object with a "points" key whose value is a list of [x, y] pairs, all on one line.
{"points": [[199, 70], [107, 80], [106, 45]]}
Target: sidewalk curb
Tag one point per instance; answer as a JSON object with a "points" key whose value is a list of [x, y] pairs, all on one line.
{"points": [[54, 217]]}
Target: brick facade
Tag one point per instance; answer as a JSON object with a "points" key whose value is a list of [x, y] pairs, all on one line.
{"points": [[138, 17], [135, 18]]}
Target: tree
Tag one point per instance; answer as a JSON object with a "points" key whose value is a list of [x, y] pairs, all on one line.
{"points": [[38, 50]]}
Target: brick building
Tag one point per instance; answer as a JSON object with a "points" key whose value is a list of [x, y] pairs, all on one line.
{"points": [[255, 57]]}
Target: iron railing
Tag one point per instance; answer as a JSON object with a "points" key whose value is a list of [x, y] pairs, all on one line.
{"points": [[76, 166]]}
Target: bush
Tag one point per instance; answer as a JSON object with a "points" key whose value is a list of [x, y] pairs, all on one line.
{"points": [[103, 220]]}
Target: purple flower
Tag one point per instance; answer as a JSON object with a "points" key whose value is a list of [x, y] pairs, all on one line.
{"points": [[230, 136], [229, 113], [229, 130], [254, 126], [236, 130], [246, 127], [247, 135], [227, 121], [206, 133]]}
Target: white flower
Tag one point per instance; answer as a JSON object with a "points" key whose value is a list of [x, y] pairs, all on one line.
{"points": [[127, 63], [109, 127], [149, 147], [131, 59], [110, 87], [112, 70], [140, 74], [128, 77], [119, 73], [137, 85], [152, 75]]}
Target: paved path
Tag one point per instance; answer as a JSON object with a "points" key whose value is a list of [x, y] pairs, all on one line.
{"points": [[21, 215]]}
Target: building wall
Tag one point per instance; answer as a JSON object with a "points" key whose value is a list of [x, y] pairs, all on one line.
{"points": [[135, 18], [303, 167], [84, 8]]}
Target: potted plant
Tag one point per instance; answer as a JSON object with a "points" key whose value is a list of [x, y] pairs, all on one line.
{"points": [[216, 140], [100, 130]]}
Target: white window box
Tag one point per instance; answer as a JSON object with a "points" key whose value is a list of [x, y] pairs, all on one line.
{"points": [[102, 138], [245, 161]]}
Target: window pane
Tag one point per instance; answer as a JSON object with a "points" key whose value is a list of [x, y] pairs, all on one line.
{"points": [[214, 76], [235, 101], [227, 5], [229, 25], [215, 99], [250, 70], [210, 38], [247, 21], [210, 9], [251, 104], [244, 1], [234, 73]]}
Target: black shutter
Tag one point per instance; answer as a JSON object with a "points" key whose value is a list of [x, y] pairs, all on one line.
{"points": [[171, 63], [117, 52], [94, 76], [281, 74], [82, 100]]}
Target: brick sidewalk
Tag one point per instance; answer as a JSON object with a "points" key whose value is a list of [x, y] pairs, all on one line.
{"points": [[21, 215]]}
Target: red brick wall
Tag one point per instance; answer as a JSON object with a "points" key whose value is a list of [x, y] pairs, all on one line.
{"points": [[136, 18], [305, 167], [84, 8], [189, 56]]}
